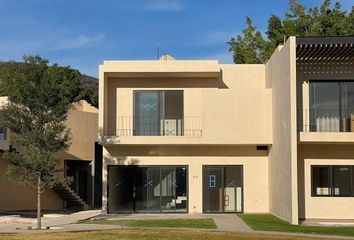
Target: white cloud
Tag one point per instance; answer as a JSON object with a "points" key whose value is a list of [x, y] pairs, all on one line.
{"points": [[80, 41], [164, 5], [20, 46], [223, 57], [216, 37]]}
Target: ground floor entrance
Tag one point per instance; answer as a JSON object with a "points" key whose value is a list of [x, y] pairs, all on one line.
{"points": [[222, 189], [147, 189]]}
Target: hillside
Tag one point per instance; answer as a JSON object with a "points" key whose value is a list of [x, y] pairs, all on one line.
{"points": [[89, 85]]}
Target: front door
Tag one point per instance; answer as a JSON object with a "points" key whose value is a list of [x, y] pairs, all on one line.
{"points": [[222, 189]]}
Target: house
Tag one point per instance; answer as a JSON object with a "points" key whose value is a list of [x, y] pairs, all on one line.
{"points": [[203, 137], [80, 162]]}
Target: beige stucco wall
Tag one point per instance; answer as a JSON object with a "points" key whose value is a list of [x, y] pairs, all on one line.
{"points": [[83, 123], [255, 167], [17, 197], [232, 108], [281, 78], [323, 207]]}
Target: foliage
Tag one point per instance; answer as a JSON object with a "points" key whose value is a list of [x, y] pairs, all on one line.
{"points": [[324, 20], [39, 99], [85, 87], [267, 222]]}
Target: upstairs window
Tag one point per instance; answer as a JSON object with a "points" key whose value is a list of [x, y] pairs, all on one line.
{"points": [[2, 134], [333, 181], [158, 113]]}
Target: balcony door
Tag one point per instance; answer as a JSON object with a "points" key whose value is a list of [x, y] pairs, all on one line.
{"points": [[332, 106], [158, 113]]}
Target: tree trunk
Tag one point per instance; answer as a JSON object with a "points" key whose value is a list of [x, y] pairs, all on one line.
{"points": [[39, 222]]}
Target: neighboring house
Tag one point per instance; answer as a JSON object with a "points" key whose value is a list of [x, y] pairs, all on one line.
{"points": [[78, 162], [199, 136]]}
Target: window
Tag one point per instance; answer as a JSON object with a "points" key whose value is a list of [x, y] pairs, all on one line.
{"points": [[333, 181], [158, 113], [2, 134], [331, 106]]}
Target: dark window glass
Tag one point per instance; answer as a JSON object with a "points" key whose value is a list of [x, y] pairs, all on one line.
{"points": [[331, 106], [2, 134], [321, 181], [333, 181], [341, 181]]}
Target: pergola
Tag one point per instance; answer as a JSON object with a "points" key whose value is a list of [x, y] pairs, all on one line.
{"points": [[312, 50]]}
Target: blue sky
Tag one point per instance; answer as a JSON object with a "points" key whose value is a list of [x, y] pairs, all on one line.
{"points": [[84, 33]]}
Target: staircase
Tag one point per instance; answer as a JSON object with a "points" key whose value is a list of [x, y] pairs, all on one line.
{"points": [[71, 199]]}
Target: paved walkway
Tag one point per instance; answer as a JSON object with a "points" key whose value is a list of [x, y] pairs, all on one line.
{"points": [[230, 223]]}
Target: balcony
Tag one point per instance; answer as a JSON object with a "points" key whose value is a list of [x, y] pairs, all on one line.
{"points": [[149, 130], [326, 125]]}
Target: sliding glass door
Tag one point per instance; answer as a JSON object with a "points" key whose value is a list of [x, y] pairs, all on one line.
{"points": [[158, 113], [147, 189], [331, 106]]}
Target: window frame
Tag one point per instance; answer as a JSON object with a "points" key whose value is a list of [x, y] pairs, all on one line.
{"points": [[331, 186]]}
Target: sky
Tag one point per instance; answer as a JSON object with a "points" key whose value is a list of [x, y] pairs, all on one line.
{"points": [[84, 33]]}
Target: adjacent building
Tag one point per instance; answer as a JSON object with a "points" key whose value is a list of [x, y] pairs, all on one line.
{"points": [[80, 162], [203, 137]]}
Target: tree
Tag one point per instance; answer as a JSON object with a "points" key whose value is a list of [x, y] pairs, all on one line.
{"points": [[39, 101], [249, 47], [322, 20]]}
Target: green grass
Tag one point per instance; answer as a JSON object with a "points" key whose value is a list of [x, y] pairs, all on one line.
{"points": [[267, 222], [144, 235], [206, 223]]}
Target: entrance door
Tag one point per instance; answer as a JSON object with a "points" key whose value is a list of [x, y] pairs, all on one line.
{"points": [[222, 189], [147, 189]]}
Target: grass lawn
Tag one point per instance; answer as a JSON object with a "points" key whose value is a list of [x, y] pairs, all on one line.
{"points": [[206, 223], [267, 222], [143, 235]]}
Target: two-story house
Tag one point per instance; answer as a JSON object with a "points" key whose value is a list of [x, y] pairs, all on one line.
{"points": [[199, 136]]}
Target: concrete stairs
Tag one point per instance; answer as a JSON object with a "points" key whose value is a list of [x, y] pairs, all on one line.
{"points": [[71, 199]]}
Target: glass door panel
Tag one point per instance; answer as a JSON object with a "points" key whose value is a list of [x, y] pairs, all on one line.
{"points": [[347, 106], [324, 106], [212, 189], [233, 189], [181, 189], [168, 189], [151, 190], [147, 112]]}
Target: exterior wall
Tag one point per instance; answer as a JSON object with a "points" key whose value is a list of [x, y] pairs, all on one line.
{"points": [[82, 121], [281, 78], [255, 167], [234, 108], [18, 197], [323, 207]]}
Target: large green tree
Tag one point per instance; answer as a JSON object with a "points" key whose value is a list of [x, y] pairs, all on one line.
{"points": [[323, 20], [39, 101]]}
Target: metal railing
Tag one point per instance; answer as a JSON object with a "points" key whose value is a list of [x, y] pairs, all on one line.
{"points": [[325, 120], [154, 126]]}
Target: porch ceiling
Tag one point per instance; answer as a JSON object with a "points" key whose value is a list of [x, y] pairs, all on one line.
{"points": [[324, 49]]}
